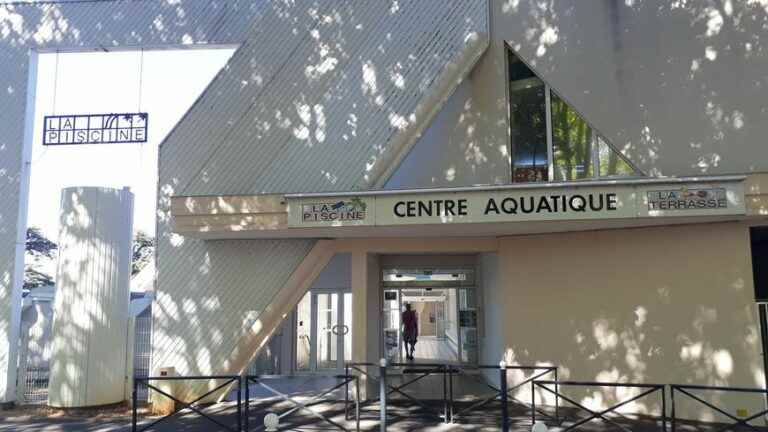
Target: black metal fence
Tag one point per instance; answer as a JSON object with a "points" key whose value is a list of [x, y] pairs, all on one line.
{"points": [[504, 393], [301, 406], [180, 406], [447, 411], [738, 421], [645, 390]]}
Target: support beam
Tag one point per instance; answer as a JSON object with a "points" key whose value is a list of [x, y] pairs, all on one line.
{"points": [[367, 306]]}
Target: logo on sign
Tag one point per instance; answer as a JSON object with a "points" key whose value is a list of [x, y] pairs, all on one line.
{"points": [[342, 211], [95, 129], [687, 199]]}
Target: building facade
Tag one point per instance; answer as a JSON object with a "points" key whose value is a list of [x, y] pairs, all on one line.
{"points": [[580, 184], [584, 188]]}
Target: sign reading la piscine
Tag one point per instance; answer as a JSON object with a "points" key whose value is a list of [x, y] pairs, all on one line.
{"points": [[512, 205], [95, 129]]}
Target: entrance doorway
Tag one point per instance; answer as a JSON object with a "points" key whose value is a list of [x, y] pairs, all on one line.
{"points": [[444, 303], [323, 331]]}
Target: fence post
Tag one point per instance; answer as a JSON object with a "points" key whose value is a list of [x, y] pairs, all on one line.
{"points": [[450, 392], [664, 408], [674, 416], [239, 403], [383, 394], [557, 399], [445, 393], [504, 407], [533, 402], [134, 412], [357, 403], [346, 392], [247, 404]]}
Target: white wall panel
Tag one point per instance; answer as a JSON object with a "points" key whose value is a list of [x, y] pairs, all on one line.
{"points": [[678, 87], [337, 274], [90, 312], [306, 104], [451, 152], [80, 25], [320, 93]]}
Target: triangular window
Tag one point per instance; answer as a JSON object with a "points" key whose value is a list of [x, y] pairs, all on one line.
{"points": [[550, 141]]}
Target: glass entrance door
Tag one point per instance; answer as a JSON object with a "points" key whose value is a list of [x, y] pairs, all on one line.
{"points": [[444, 304], [328, 325], [323, 331]]}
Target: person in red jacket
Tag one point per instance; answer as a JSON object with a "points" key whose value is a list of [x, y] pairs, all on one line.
{"points": [[410, 331]]}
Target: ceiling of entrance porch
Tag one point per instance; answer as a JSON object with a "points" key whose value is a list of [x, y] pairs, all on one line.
{"points": [[258, 228]]}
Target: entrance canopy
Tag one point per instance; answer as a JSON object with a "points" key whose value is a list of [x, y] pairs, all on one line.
{"points": [[491, 210]]}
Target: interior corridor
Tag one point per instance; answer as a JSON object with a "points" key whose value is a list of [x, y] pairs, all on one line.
{"points": [[431, 349]]}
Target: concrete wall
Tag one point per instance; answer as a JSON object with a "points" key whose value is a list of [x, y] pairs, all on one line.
{"points": [[452, 151], [491, 313], [666, 305], [677, 87], [694, 88], [337, 274]]}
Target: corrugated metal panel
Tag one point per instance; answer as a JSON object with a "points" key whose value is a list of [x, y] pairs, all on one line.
{"points": [[209, 292], [304, 105], [90, 321], [68, 26], [319, 112], [206, 290]]}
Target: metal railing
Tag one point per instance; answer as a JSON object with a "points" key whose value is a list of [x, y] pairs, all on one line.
{"points": [[192, 406], [505, 387], [142, 349], [35, 385], [448, 371], [299, 406], [417, 372], [737, 421], [646, 389]]}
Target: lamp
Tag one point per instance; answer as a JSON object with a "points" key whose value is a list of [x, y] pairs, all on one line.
{"points": [[539, 426], [272, 422]]}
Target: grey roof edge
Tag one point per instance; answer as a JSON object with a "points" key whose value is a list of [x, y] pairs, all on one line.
{"points": [[528, 186]]}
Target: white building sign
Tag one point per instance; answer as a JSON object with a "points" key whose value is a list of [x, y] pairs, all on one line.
{"points": [[342, 210], [495, 205], [111, 128]]}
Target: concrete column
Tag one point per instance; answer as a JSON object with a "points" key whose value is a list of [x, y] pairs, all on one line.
{"points": [[366, 321], [92, 299]]}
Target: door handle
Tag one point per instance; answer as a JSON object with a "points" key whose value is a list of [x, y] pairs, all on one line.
{"points": [[335, 329], [346, 330]]}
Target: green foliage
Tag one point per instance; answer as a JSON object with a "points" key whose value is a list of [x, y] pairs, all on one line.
{"points": [[143, 250]]}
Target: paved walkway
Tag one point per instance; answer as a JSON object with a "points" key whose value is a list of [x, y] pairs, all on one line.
{"points": [[404, 414], [405, 417]]}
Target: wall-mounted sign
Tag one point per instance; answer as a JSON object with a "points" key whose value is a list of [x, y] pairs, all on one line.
{"points": [[95, 129], [497, 205], [346, 210], [687, 198]]}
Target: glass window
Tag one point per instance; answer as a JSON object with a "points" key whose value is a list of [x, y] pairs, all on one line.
{"points": [[545, 130], [303, 333], [571, 143], [611, 164], [528, 123]]}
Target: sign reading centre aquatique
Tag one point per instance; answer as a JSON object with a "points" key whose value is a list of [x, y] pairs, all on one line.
{"points": [[513, 205]]}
